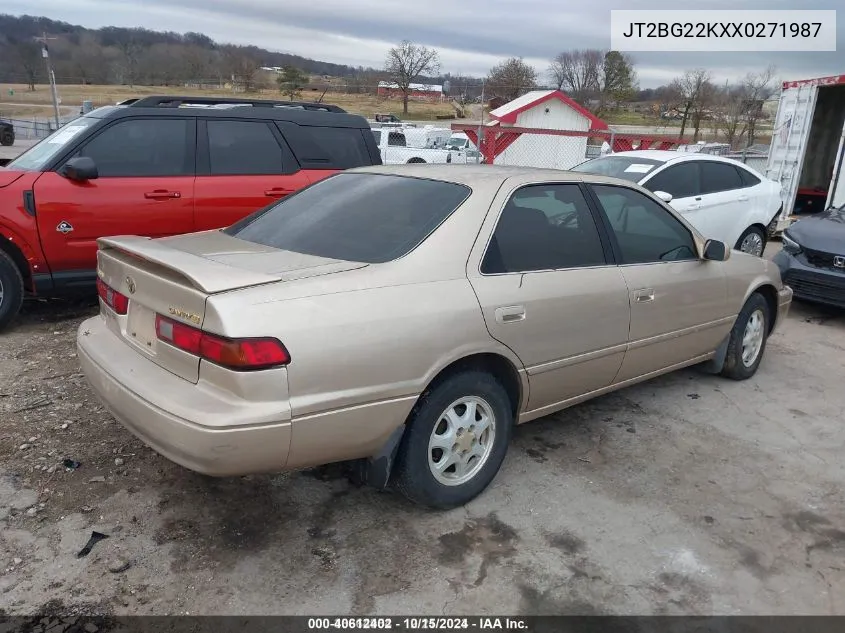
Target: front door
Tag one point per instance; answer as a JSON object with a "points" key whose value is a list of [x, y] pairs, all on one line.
{"points": [[145, 187], [547, 291], [679, 307]]}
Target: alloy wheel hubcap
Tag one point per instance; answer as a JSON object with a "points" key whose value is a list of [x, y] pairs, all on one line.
{"points": [[752, 339], [461, 441], [752, 244]]}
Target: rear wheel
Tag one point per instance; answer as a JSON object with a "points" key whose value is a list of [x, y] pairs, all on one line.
{"points": [[748, 339], [753, 241], [11, 290], [416, 160], [456, 441]]}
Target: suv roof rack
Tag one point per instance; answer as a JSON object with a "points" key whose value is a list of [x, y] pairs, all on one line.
{"points": [[176, 102]]}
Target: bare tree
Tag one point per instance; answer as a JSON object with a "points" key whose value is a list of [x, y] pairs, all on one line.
{"points": [[28, 57], [578, 73], [511, 78], [757, 88], [131, 52], [729, 113], [242, 67], [689, 89], [406, 63]]}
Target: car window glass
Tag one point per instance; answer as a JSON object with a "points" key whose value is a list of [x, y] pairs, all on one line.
{"points": [[544, 227], [377, 136], [679, 180], [372, 218], [243, 148], [345, 146], [633, 168], [716, 177], [396, 138], [644, 230], [748, 179], [141, 147]]}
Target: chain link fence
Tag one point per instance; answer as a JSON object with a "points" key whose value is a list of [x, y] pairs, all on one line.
{"points": [[36, 127]]}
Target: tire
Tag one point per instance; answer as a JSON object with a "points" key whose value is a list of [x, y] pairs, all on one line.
{"points": [[414, 476], [7, 138], [11, 290], [754, 238], [416, 160], [738, 367]]}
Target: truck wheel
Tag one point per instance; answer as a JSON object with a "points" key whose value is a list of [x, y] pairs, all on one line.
{"points": [[7, 137], [11, 290], [416, 160], [457, 439]]}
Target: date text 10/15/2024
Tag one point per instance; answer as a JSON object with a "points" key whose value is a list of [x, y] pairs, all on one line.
{"points": [[418, 624]]}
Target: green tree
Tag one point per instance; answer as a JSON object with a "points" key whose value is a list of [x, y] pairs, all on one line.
{"points": [[619, 79], [291, 81]]}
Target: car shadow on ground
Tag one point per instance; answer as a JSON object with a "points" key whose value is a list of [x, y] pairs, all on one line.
{"points": [[35, 311]]}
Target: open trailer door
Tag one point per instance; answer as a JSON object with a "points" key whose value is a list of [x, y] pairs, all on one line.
{"points": [[790, 139], [836, 195]]}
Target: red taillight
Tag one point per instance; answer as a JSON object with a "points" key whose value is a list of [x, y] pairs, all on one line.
{"points": [[112, 298], [245, 353]]}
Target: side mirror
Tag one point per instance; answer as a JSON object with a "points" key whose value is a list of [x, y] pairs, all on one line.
{"points": [[666, 197], [716, 251], [80, 169]]}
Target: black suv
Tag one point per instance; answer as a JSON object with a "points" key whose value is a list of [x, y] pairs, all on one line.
{"points": [[7, 133]]}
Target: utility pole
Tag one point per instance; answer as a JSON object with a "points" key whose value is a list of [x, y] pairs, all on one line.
{"points": [[50, 75], [481, 124]]}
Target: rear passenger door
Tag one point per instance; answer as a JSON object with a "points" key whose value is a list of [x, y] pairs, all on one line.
{"points": [[550, 292], [242, 166]]}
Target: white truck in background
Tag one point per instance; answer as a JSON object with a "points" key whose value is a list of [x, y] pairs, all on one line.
{"points": [[808, 147], [397, 146]]}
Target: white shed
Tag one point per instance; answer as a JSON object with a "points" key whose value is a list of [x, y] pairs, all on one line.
{"points": [[545, 110]]}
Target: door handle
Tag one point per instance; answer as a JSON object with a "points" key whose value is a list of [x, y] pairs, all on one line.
{"points": [[278, 192], [510, 314], [161, 194], [644, 295]]}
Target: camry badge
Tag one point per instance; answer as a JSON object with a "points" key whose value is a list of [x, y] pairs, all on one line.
{"points": [[64, 227], [183, 314]]}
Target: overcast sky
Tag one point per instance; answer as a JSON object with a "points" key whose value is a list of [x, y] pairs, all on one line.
{"points": [[471, 35]]}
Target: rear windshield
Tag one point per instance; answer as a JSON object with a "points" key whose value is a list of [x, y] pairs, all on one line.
{"points": [[625, 167], [38, 156], [371, 218]]}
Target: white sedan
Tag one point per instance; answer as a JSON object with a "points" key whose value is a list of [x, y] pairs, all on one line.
{"points": [[722, 198]]}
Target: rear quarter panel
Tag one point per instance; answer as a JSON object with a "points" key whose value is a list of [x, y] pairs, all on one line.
{"points": [[747, 274]]}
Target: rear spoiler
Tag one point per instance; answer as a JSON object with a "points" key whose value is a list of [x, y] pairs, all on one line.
{"points": [[203, 274]]}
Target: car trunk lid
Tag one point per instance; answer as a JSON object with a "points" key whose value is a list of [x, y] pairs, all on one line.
{"points": [[173, 277]]}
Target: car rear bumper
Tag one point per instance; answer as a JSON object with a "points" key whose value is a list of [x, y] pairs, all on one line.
{"points": [[785, 295], [171, 415], [810, 283]]}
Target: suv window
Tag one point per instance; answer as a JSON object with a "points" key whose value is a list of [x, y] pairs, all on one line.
{"points": [[544, 227], [355, 217], [242, 148], [142, 148], [716, 177], [345, 145], [682, 181], [644, 230]]}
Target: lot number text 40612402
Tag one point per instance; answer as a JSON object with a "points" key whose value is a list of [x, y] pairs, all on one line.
{"points": [[418, 624]]}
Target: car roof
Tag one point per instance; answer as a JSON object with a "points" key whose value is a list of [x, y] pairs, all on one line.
{"points": [[473, 174], [672, 156]]}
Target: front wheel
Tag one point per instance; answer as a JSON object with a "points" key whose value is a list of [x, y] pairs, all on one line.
{"points": [[753, 241], [7, 138], [11, 290], [456, 441], [748, 339]]}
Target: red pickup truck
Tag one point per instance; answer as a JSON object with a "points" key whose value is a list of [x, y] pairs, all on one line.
{"points": [[158, 166]]}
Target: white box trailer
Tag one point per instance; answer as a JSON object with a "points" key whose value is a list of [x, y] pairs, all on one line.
{"points": [[808, 141]]}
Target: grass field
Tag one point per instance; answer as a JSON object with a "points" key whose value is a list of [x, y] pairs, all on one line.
{"points": [[25, 103]]}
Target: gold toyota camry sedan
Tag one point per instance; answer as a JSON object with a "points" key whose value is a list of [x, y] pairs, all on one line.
{"points": [[405, 318]]}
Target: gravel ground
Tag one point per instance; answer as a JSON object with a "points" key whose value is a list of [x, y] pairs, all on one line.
{"points": [[685, 495]]}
